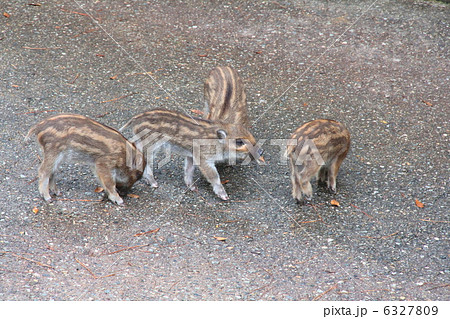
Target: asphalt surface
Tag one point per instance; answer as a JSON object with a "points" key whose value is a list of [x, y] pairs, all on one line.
{"points": [[380, 68]]}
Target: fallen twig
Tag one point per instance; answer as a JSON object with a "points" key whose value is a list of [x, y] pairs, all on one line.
{"points": [[147, 232], [325, 292], [317, 212], [75, 12], [381, 237], [126, 248], [173, 285], [387, 236], [439, 286], [118, 98], [76, 77], [85, 267], [32, 181], [262, 287], [309, 221], [279, 4], [31, 260], [434, 221], [90, 271], [142, 73], [106, 276], [84, 32], [371, 217]]}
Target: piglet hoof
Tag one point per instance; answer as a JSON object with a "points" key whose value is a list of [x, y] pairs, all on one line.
{"points": [[57, 193], [304, 200], [46, 196], [152, 183], [122, 204], [224, 196], [118, 201], [49, 199], [331, 187]]}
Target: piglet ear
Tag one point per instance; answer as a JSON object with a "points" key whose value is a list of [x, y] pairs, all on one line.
{"points": [[222, 135]]}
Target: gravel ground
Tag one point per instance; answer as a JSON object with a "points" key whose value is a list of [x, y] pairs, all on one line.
{"points": [[379, 67]]}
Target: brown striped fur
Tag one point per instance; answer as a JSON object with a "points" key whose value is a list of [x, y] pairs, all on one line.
{"points": [[332, 141], [225, 98], [78, 138], [182, 133]]}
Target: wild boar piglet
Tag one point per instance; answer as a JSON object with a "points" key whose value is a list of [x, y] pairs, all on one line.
{"points": [[201, 142], [318, 149], [225, 98], [76, 138]]}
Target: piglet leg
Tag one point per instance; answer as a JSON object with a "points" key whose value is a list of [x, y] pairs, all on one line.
{"points": [[189, 173], [108, 183], [45, 175], [209, 170]]}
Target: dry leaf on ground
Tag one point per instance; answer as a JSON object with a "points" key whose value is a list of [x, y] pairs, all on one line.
{"points": [[198, 112], [98, 190], [334, 202], [427, 103], [419, 204]]}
